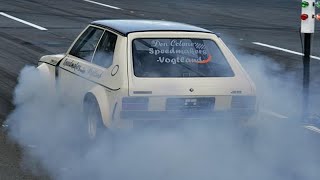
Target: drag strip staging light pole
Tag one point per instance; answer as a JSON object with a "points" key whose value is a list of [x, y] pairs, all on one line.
{"points": [[307, 28]]}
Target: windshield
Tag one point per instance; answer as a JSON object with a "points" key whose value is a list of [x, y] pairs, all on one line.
{"points": [[179, 58]]}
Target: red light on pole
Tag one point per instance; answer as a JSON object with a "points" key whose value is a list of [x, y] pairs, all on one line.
{"points": [[304, 17]]}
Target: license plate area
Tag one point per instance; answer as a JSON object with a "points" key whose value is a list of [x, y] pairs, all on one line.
{"points": [[190, 104]]}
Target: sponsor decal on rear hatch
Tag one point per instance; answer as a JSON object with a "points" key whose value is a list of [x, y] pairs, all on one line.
{"points": [[179, 58]]}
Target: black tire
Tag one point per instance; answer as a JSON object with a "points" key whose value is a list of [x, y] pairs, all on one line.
{"points": [[102, 135]]}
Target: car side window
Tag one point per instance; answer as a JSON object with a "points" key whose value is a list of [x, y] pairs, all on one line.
{"points": [[105, 50], [85, 46]]}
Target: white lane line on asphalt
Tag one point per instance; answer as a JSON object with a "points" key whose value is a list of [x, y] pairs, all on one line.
{"points": [[312, 128], [101, 4], [272, 113], [282, 49], [23, 21]]}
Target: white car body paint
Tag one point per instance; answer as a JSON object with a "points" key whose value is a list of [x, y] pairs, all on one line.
{"points": [[181, 86], [76, 79]]}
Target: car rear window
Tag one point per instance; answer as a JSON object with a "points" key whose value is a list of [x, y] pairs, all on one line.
{"points": [[179, 58]]}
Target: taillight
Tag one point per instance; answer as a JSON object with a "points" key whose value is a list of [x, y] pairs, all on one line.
{"points": [[243, 102], [135, 103]]}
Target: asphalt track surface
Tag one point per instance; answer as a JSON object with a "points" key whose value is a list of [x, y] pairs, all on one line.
{"points": [[272, 22]]}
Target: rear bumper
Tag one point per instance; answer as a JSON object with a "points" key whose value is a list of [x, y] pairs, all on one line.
{"points": [[171, 119], [240, 115]]}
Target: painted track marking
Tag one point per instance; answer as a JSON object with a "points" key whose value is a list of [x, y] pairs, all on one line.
{"points": [[101, 4], [312, 128], [272, 113], [23, 21], [284, 50]]}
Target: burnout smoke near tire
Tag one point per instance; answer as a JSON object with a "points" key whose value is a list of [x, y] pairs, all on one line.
{"points": [[190, 152]]}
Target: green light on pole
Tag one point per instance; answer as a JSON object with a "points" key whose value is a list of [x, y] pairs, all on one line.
{"points": [[317, 4], [305, 4]]}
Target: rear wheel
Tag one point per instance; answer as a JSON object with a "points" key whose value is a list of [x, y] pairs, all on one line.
{"points": [[95, 126]]}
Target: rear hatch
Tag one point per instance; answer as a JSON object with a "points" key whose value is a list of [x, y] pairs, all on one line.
{"points": [[184, 67], [184, 75]]}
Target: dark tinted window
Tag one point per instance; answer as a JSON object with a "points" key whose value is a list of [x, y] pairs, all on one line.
{"points": [[86, 44], [104, 53], [179, 58]]}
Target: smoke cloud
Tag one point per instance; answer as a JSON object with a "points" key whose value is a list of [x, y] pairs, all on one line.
{"points": [[50, 132]]}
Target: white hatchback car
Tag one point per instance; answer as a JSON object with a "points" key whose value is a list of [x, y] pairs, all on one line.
{"points": [[124, 72]]}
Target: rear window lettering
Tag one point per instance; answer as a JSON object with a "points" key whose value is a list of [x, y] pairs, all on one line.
{"points": [[179, 58]]}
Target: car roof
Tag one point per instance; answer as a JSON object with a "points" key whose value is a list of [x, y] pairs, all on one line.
{"points": [[125, 27]]}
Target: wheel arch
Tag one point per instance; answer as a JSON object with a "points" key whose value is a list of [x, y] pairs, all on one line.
{"points": [[47, 65], [48, 71], [100, 95]]}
